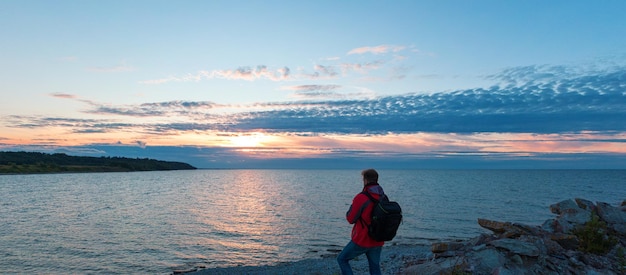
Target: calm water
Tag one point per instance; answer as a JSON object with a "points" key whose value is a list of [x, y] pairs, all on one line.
{"points": [[152, 222]]}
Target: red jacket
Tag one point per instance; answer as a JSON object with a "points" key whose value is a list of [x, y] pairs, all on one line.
{"points": [[360, 214]]}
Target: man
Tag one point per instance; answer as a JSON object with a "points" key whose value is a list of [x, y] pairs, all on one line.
{"points": [[359, 214]]}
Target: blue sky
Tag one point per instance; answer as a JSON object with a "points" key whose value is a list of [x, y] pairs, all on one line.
{"points": [[294, 84]]}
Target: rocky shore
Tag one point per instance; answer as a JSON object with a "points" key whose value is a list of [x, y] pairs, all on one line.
{"points": [[584, 238]]}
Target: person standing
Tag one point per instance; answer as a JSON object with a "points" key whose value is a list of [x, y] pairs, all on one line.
{"points": [[359, 214]]}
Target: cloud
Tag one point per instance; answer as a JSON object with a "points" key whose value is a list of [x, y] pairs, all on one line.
{"points": [[543, 100], [242, 73], [338, 70], [62, 95], [321, 70], [249, 73], [533, 116], [593, 102], [141, 144], [311, 88], [376, 49], [91, 131], [71, 150], [320, 93], [136, 111], [73, 125], [162, 80], [155, 109], [263, 72], [361, 67]]}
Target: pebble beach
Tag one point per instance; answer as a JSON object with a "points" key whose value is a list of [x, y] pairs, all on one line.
{"points": [[393, 260]]}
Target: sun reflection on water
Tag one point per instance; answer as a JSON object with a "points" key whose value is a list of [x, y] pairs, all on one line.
{"points": [[241, 215]]}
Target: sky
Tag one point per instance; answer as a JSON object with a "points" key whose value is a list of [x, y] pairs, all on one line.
{"points": [[318, 84]]}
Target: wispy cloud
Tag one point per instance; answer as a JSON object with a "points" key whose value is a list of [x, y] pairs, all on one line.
{"points": [[312, 88], [154, 109], [548, 101], [62, 95], [587, 102], [361, 67], [314, 91], [70, 125], [241, 73], [304, 93], [376, 49], [333, 69]]}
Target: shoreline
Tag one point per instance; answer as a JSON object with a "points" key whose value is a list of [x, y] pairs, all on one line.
{"points": [[585, 237], [393, 260]]}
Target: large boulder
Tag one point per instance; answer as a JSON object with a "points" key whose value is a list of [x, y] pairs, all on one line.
{"points": [[615, 217], [570, 214]]}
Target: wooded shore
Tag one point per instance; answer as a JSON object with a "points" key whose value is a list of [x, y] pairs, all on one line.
{"points": [[39, 163]]}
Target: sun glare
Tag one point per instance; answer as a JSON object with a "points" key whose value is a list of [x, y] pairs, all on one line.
{"points": [[248, 140]]}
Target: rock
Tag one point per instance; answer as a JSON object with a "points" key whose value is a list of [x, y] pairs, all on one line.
{"points": [[517, 247], [516, 259], [436, 267], [441, 247], [613, 216], [549, 225], [553, 247], [495, 226], [487, 260], [183, 271], [563, 207], [505, 229], [507, 271], [522, 249], [566, 241], [585, 204], [481, 240], [570, 214]]}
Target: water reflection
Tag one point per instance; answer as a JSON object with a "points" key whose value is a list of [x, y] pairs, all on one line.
{"points": [[146, 222], [239, 215]]}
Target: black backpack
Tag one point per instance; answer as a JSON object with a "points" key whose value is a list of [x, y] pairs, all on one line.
{"points": [[386, 218]]}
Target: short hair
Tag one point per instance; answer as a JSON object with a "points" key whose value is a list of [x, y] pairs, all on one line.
{"points": [[370, 175]]}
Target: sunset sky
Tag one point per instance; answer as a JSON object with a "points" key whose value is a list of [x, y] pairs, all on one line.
{"points": [[318, 84]]}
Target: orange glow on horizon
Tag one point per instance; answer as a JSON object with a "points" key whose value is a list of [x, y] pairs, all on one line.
{"points": [[298, 145]]}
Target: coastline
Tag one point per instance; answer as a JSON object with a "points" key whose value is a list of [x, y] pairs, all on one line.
{"points": [[24, 163], [393, 260], [585, 238]]}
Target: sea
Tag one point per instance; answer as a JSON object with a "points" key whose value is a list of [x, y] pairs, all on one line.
{"points": [[156, 222]]}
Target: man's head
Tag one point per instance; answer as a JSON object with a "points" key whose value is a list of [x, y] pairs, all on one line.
{"points": [[369, 176]]}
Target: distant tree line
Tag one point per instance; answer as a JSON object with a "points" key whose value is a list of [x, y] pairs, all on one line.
{"points": [[35, 162]]}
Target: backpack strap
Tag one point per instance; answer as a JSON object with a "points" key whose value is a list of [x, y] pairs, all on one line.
{"points": [[371, 199], [369, 196], [383, 197], [358, 215]]}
